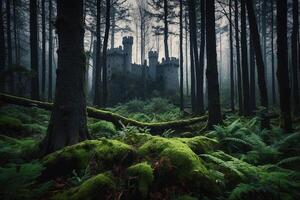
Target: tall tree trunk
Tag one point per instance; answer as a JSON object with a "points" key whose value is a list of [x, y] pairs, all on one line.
{"points": [[199, 104], [104, 59], [181, 53], [193, 81], [166, 29], [97, 87], [264, 31], [43, 48], [68, 123], [17, 60], [282, 69], [259, 59], [34, 50], [245, 70], [186, 56], [113, 27], [9, 48], [200, 75], [252, 75], [214, 108], [238, 58], [295, 50], [50, 53], [232, 92], [2, 50], [272, 54]]}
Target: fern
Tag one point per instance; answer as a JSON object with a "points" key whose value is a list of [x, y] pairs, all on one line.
{"points": [[290, 163]]}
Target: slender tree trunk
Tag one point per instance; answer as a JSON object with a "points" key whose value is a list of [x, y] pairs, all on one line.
{"points": [[232, 92], [200, 75], [252, 75], [238, 58], [17, 60], [294, 44], [43, 48], [193, 82], [272, 54], [245, 70], [259, 60], [97, 87], [113, 27], [214, 108], [68, 123], [50, 53], [181, 53], [264, 31], [186, 57], [282, 69], [105, 42], [2, 50], [166, 29], [199, 104], [34, 50], [8, 42]]}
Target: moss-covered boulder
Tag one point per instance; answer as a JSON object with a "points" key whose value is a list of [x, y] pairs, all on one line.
{"points": [[10, 125], [103, 154], [176, 163], [200, 144], [97, 187], [102, 129], [141, 176]]}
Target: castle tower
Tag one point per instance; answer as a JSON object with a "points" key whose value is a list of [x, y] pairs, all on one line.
{"points": [[127, 45], [153, 61]]}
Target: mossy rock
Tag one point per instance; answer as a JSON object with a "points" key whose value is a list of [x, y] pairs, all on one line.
{"points": [[104, 154], [142, 176], [176, 163], [200, 144], [97, 187], [10, 125], [102, 129]]}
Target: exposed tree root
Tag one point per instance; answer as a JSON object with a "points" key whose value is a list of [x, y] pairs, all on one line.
{"points": [[116, 119]]}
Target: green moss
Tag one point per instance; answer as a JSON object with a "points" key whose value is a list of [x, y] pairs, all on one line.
{"points": [[186, 197], [143, 176], [200, 144], [10, 123], [176, 163], [102, 129], [97, 187], [105, 153]]}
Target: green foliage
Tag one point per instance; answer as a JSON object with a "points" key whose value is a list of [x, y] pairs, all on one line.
{"points": [[18, 181], [153, 110], [142, 175], [102, 129], [92, 189]]}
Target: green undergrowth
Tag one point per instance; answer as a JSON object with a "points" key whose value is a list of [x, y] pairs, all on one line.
{"points": [[236, 160]]}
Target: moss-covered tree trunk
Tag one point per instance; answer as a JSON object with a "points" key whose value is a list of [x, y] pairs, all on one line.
{"points": [[68, 124], [214, 108]]}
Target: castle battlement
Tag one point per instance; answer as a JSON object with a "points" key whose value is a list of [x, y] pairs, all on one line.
{"points": [[153, 54], [172, 61], [118, 50], [127, 40]]}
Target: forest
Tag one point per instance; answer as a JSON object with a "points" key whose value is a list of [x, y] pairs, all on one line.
{"points": [[149, 99]]}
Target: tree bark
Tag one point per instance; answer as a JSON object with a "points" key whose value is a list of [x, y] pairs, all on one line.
{"points": [[259, 60], [104, 59], [232, 92], [34, 50], [8, 42], [272, 55], [43, 48], [295, 50], [2, 51], [245, 70], [214, 108], [97, 87], [166, 30], [68, 123], [252, 75], [282, 69], [181, 53], [238, 58], [200, 75], [50, 53]]}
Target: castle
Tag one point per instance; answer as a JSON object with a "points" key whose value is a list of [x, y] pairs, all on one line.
{"points": [[119, 60]]}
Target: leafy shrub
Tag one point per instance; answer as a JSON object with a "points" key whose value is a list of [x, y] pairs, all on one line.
{"points": [[102, 129]]}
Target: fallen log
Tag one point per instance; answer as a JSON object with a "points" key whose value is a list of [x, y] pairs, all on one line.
{"points": [[116, 119]]}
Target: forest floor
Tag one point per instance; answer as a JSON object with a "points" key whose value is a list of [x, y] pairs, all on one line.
{"points": [[234, 161]]}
